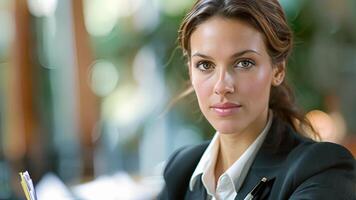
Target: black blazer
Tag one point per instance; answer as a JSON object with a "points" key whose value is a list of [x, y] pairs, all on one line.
{"points": [[296, 168]]}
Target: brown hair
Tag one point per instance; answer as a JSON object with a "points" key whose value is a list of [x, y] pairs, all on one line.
{"points": [[268, 17]]}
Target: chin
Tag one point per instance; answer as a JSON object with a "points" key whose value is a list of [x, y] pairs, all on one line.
{"points": [[228, 127], [228, 131]]}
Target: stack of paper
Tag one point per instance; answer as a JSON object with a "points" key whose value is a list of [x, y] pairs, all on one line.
{"points": [[109, 187], [27, 186], [117, 186]]}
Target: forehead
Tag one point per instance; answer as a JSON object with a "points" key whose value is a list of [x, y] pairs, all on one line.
{"points": [[219, 35]]}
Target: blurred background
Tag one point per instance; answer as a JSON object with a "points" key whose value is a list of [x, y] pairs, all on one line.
{"points": [[84, 85]]}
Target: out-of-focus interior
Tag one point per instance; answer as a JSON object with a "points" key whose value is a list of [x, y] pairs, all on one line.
{"points": [[85, 85]]}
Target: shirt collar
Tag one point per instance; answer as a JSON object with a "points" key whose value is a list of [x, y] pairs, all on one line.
{"points": [[205, 160], [238, 171]]}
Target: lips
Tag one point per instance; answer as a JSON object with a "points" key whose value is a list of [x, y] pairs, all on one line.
{"points": [[225, 105], [225, 109]]}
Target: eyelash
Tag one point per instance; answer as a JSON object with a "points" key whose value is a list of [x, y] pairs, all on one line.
{"points": [[250, 63], [200, 65], [203, 69]]}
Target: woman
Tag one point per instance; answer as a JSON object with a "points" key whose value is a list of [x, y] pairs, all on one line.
{"points": [[237, 52]]}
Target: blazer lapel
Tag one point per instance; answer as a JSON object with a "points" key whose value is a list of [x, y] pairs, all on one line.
{"points": [[269, 159], [179, 171], [253, 178], [199, 191]]}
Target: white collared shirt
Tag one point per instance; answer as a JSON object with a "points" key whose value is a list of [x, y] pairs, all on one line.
{"points": [[231, 180]]}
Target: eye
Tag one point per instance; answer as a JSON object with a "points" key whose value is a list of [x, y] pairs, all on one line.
{"points": [[204, 66], [245, 64]]}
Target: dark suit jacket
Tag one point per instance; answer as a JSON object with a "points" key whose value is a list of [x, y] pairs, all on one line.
{"points": [[296, 168]]}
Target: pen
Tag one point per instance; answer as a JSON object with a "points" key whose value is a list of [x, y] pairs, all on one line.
{"points": [[30, 186], [257, 189], [27, 186]]}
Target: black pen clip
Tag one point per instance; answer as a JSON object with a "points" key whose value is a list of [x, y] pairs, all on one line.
{"points": [[257, 189]]}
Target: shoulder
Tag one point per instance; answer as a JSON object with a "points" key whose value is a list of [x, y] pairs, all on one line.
{"points": [[298, 149], [178, 170], [185, 157], [321, 170], [319, 154]]}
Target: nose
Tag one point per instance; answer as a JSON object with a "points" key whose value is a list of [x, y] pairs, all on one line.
{"points": [[224, 84]]}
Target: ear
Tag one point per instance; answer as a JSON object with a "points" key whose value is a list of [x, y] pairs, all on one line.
{"points": [[279, 71]]}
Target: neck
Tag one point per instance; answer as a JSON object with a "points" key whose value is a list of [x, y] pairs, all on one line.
{"points": [[232, 146]]}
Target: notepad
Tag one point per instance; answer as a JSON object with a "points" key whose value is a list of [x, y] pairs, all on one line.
{"points": [[27, 186]]}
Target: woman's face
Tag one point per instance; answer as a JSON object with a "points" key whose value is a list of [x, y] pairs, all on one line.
{"points": [[232, 74]]}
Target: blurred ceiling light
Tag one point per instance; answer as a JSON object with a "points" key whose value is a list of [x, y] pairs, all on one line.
{"points": [[104, 77], [146, 19], [101, 15], [149, 78], [124, 107], [131, 103], [175, 7], [144, 66], [42, 8], [7, 30]]}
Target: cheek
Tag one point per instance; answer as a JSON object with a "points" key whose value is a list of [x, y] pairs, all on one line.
{"points": [[203, 90], [258, 86]]}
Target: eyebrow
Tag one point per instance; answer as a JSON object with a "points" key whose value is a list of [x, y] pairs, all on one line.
{"points": [[237, 54]]}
